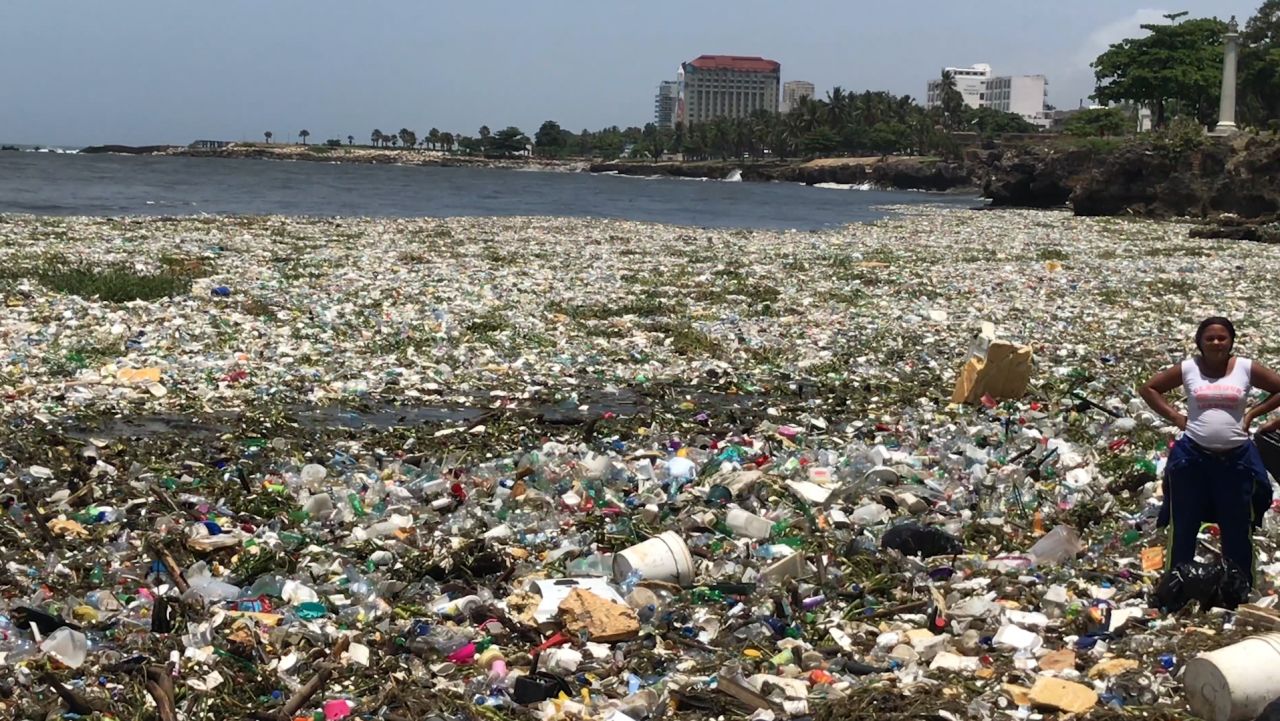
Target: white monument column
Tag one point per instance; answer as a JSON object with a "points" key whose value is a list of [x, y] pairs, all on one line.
{"points": [[1227, 110]]}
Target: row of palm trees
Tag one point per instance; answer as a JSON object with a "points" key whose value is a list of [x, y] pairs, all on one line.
{"points": [[870, 122], [434, 139], [844, 123], [303, 134], [867, 123]]}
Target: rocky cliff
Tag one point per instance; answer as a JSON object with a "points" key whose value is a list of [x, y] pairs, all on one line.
{"points": [[1153, 177]]}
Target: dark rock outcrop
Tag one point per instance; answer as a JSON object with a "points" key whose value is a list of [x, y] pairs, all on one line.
{"points": [[1148, 177], [915, 175], [1029, 177], [127, 149]]}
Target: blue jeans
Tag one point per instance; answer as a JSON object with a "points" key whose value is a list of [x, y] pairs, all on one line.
{"points": [[1229, 488]]}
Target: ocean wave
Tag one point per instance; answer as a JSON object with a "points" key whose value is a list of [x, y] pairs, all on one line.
{"points": [[845, 186]]}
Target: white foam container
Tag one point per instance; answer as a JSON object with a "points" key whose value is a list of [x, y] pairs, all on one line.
{"points": [[1236, 682], [665, 557]]}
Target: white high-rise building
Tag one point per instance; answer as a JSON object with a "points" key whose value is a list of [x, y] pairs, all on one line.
{"points": [[793, 91], [1021, 95], [666, 104], [970, 81]]}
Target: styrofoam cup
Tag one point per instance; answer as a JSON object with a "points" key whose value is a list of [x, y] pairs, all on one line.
{"points": [[665, 557], [1236, 682]]}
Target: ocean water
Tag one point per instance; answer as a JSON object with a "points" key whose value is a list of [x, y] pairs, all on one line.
{"points": [[69, 184]]}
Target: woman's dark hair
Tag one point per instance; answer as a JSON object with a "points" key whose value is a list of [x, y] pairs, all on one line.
{"points": [[1214, 320]]}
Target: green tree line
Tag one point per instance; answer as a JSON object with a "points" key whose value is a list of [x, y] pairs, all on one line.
{"points": [[1175, 70]]}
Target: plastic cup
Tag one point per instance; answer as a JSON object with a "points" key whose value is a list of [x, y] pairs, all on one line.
{"points": [[664, 557]]}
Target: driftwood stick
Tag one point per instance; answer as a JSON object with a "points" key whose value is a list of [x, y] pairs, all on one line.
{"points": [[160, 686], [312, 686], [75, 704], [175, 571]]}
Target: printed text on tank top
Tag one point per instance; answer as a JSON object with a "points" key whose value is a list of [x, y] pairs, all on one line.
{"points": [[1216, 404], [1226, 396]]}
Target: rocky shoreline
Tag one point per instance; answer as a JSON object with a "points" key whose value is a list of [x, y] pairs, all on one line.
{"points": [[889, 173], [1232, 184]]}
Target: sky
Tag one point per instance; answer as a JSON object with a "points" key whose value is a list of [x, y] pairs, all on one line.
{"points": [[82, 72]]}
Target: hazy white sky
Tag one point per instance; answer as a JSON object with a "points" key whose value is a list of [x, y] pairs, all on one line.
{"points": [[81, 72]]}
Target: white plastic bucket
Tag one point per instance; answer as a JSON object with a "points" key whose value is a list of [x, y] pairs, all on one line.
{"points": [[745, 523], [665, 557], [1236, 682]]}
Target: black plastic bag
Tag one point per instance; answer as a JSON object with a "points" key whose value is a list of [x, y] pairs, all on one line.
{"points": [[1209, 585], [912, 539], [1271, 712]]}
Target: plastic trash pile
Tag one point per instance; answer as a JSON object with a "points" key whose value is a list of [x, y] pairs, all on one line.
{"points": [[561, 469]]}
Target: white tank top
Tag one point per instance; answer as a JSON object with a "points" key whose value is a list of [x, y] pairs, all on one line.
{"points": [[1215, 406]]}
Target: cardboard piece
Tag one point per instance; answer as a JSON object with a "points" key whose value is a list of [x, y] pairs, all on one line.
{"points": [[602, 620], [995, 368], [1152, 559], [1020, 695], [555, 590], [1107, 668], [1060, 660], [1063, 695], [138, 375]]}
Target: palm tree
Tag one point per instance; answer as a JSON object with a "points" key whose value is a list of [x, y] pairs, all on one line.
{"points": [[484, 137], [267, 135], [304, 134], [794, 130], [839, 107], [952, 101], [375, 137], [813, 113], [446, 139], [351, 140], [434, 137]]}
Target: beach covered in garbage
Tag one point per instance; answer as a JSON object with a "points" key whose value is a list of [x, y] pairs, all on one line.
{"points": [[579, 468]]}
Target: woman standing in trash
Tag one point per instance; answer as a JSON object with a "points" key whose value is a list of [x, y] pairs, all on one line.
{"points": [[1214, 472]]}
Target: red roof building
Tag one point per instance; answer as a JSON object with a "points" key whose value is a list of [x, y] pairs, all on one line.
{"points": [[741, 63], [732, 86]]}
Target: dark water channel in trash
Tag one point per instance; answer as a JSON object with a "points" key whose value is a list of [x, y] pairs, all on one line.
{"points": [[65, 184], [592, 405]]}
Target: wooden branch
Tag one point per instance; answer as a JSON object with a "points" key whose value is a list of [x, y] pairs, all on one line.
{"points": [[1258, 617], [42, 522], [175, 571], [75, 704], [311, 687], [160, 686]]}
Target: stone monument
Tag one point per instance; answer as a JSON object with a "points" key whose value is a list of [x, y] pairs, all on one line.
{"points": [[1227, 110]]}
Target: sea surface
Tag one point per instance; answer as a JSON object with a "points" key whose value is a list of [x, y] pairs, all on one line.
{"points": [[108, 185]]}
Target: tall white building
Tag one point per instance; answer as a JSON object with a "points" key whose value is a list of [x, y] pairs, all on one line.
{"points": [[666, 103], [793, 91], [970, 81], [1021, 95], [734, 86]]}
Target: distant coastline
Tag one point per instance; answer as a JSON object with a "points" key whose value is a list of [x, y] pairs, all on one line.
{"points": [[898, 173], [342, 154]]}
